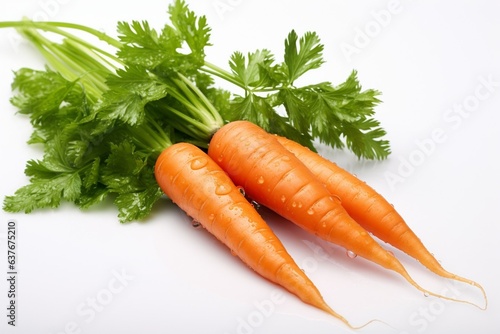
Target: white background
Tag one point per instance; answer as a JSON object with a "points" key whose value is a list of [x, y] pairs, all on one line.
{"points": [[428, 59]]}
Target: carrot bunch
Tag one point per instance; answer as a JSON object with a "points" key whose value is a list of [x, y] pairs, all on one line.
{"points": [[296, 183], [148, 121], [321, 198], [273, 171]]}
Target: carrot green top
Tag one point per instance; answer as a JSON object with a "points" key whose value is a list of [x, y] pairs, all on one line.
{"points": [[103, 117]]}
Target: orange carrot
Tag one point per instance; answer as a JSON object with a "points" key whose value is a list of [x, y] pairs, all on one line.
{"points": [[370, 209], [203, 190], [275, 178]]}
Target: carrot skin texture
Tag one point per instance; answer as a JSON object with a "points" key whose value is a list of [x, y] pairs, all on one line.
{"points": [[193, 181], [362, 202], [275, 178], [370, 209]]}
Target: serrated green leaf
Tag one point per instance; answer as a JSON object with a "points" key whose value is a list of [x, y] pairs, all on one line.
{"points": [[193, 29], [296, 109], [121, 172], [92, 196], [345, 113], [130, 90], [142, 46], [252, 69], [91, 174], [44, 193], [137, 80], [128, 108], [49, 103], [137, 205], [305, 56], [251, 108]]}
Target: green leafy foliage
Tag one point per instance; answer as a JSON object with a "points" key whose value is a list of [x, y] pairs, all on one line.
{"points": [[129, 92], [303, 57], [86, 159], [129, 173], [166, 66], [339, 115], [102, 126], [48, 99], [192, 29]]}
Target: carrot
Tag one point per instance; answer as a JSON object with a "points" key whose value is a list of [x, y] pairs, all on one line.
{"points": [[275, 178], [370, 209], [192, 180]]}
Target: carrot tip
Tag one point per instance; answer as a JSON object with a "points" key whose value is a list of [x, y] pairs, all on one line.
{"points": [[370, 322], [476, 285], [457, 278], [327, 309]]}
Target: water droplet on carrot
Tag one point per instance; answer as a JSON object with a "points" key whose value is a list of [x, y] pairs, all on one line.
{"points": [[260, 180], [220, 158], [255, 204], [294, 204], [223, 189], [211, 216], [283, 198], [195, 223], [199, 163], [351, 254], [310, 211], [241, 190]]}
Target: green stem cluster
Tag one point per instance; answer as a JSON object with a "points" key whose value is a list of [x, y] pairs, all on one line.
{"points": [[199, 118], [151, 136], [74, 58]]}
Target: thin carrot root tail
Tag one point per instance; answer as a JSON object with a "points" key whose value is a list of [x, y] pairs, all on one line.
{"points": [[452, 276], [346, 322], [372, 321], [474, 284]]}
